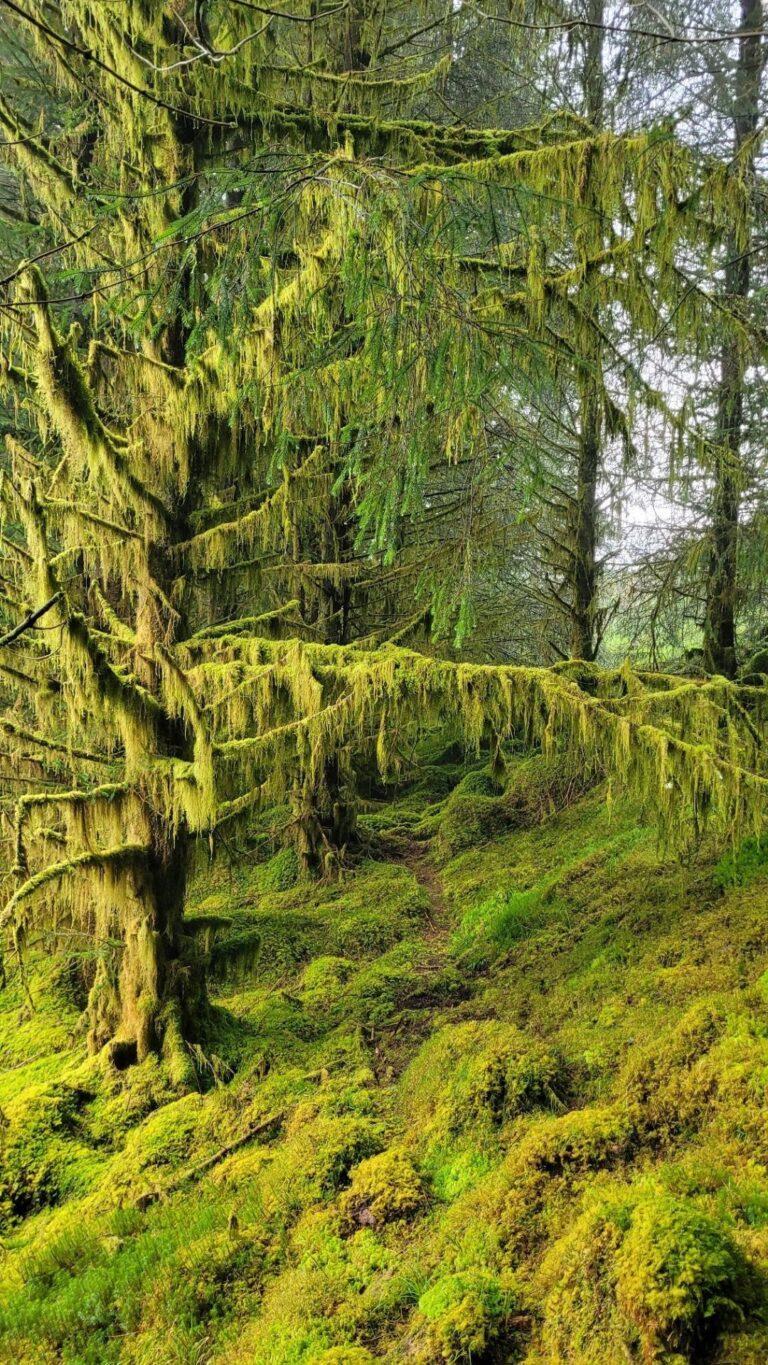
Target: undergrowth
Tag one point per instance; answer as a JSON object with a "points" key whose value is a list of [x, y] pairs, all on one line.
{"points": [[497, 1094]]}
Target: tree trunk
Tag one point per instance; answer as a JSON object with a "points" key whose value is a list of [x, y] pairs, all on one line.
{"points": [[722, 580], [584, 634], [584, 641], [143, 994]]}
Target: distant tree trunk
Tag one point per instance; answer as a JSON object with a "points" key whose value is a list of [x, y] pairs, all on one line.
{"points": [[584, 633], [722, 580], [325, 813], [584, 638]]}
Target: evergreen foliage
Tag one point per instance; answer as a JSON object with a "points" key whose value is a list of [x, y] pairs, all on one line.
{"points": [[268, 307]]}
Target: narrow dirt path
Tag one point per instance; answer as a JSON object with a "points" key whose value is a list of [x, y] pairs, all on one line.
{"points": [[393, 1048], [438, 924]]}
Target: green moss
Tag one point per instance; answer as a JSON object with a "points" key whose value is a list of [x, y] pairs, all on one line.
{"points": [[469, 820], [465, 1312], [534, 788], [43, 1157], [480, 782], [281, 873], [324, 983], [480, 1070], [345, 1355], [679, 1276], [740, 867], [317, 1156], [382, 1189], [641, 1273], [434, 1126], [496, 925]]}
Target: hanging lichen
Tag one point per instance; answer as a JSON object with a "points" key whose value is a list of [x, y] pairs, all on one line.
{"points": [[283, 316]]}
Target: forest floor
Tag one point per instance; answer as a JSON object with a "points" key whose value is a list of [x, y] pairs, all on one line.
{"points": [[498, 1094]]}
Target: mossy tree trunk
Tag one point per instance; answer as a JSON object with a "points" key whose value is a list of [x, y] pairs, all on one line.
{"points": [[269, 324], [722, 589], [584, 634]]}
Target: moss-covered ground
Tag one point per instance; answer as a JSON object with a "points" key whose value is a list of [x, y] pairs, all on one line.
{"points": [[499, 1094]]}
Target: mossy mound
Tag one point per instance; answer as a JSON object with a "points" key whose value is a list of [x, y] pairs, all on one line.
{"points": [[506, 1103], [43, 1155], [465, 1314], [483, 805], [383, 1189], [644, 1275], [479, 1071]]}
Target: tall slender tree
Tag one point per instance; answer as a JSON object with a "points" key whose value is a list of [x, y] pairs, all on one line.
{"points": [[722, 581]]}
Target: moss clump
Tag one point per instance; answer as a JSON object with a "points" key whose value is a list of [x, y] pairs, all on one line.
{"points": [[641, 1275], [282, 871], [755, 669], [161, 1144], [345, 1355], [496, 925], [209, 1276], [581, 1322], [320, 1150], [465, 1313], [671, 1079], [477, 1071], [679, 1276], [534, 788], [41, 1149], [372, 911], [383, 1189], [480, 782], [743, 865], [586, 1139], [379, 989], [469, 820], [324, 984]]}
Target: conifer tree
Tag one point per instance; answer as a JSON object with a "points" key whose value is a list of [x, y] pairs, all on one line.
{"points": [[265, 296], [722, 578]]}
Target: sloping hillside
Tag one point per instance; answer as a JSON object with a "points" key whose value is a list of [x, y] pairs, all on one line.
{"points": [[499, 1095]]}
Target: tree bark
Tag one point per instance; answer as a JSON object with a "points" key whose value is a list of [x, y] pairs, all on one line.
{"points": [[722, 580], [584, 635]]}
